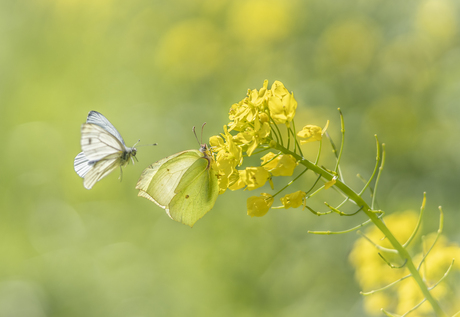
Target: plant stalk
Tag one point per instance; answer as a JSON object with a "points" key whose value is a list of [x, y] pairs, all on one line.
{"points": [[352, 195]]}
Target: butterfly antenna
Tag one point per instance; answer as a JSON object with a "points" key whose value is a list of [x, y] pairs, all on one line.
{"points": [[194, 132], [137, 142], [147, 144], [202, 127]]}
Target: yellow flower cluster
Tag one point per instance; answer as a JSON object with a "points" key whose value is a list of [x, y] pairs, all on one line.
{"points": [[252, 124], [251, 119]]}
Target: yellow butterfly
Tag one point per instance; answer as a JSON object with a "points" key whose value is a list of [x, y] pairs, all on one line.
{"points": [[184, 184]]}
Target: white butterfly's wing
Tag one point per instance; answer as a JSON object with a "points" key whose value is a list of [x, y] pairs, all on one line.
{"points": [[103, 150], [100, 170], [97, 118], [82, 165], [98, 143]]}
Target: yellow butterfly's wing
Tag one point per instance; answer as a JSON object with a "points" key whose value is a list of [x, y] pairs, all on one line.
{"points": [[159, 181], [147, 175], [196, 193]]}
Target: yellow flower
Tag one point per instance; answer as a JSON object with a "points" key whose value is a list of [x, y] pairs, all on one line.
{"points": [[225, 169], [258, 206], [236, 180], [310, 133], [239, 114], [254, 177], [263, 117], [228, 156], [293, 200], [258, 97], [282, 165], [330, 183], [282, 104], [270, 157], [233, 149], [246, 112], [252, 137]]}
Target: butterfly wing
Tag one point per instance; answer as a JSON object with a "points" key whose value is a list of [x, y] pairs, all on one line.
{"points": [[98, 143], [82, 165], [147, 175], [97, 118], [196, 193], [159, 181], [103, 150], [100, 170]]}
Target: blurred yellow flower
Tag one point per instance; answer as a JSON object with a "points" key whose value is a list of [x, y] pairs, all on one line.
{"points": [[190, 50], [281, 165], [282, 104], [437, 19], [372, 272], [357, 52], [258, 206], [310, 133], [437, 263], [248, 19], [293, 200]]}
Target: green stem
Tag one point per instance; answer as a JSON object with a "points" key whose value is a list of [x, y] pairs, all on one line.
{"points": [[295, 138], [279, 132], [289, 138], [342, 124], [290, 183], [377, 222], [319, 151], [378, 175]]}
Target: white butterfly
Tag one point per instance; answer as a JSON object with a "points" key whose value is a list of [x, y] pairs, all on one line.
{"points": [[103, 150]]}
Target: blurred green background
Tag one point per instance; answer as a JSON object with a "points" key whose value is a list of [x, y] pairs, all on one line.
{"points": [[157, 68]]}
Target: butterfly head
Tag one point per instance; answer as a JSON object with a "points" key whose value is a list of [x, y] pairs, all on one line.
{"points": [[129, 152], [132, 151]]}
